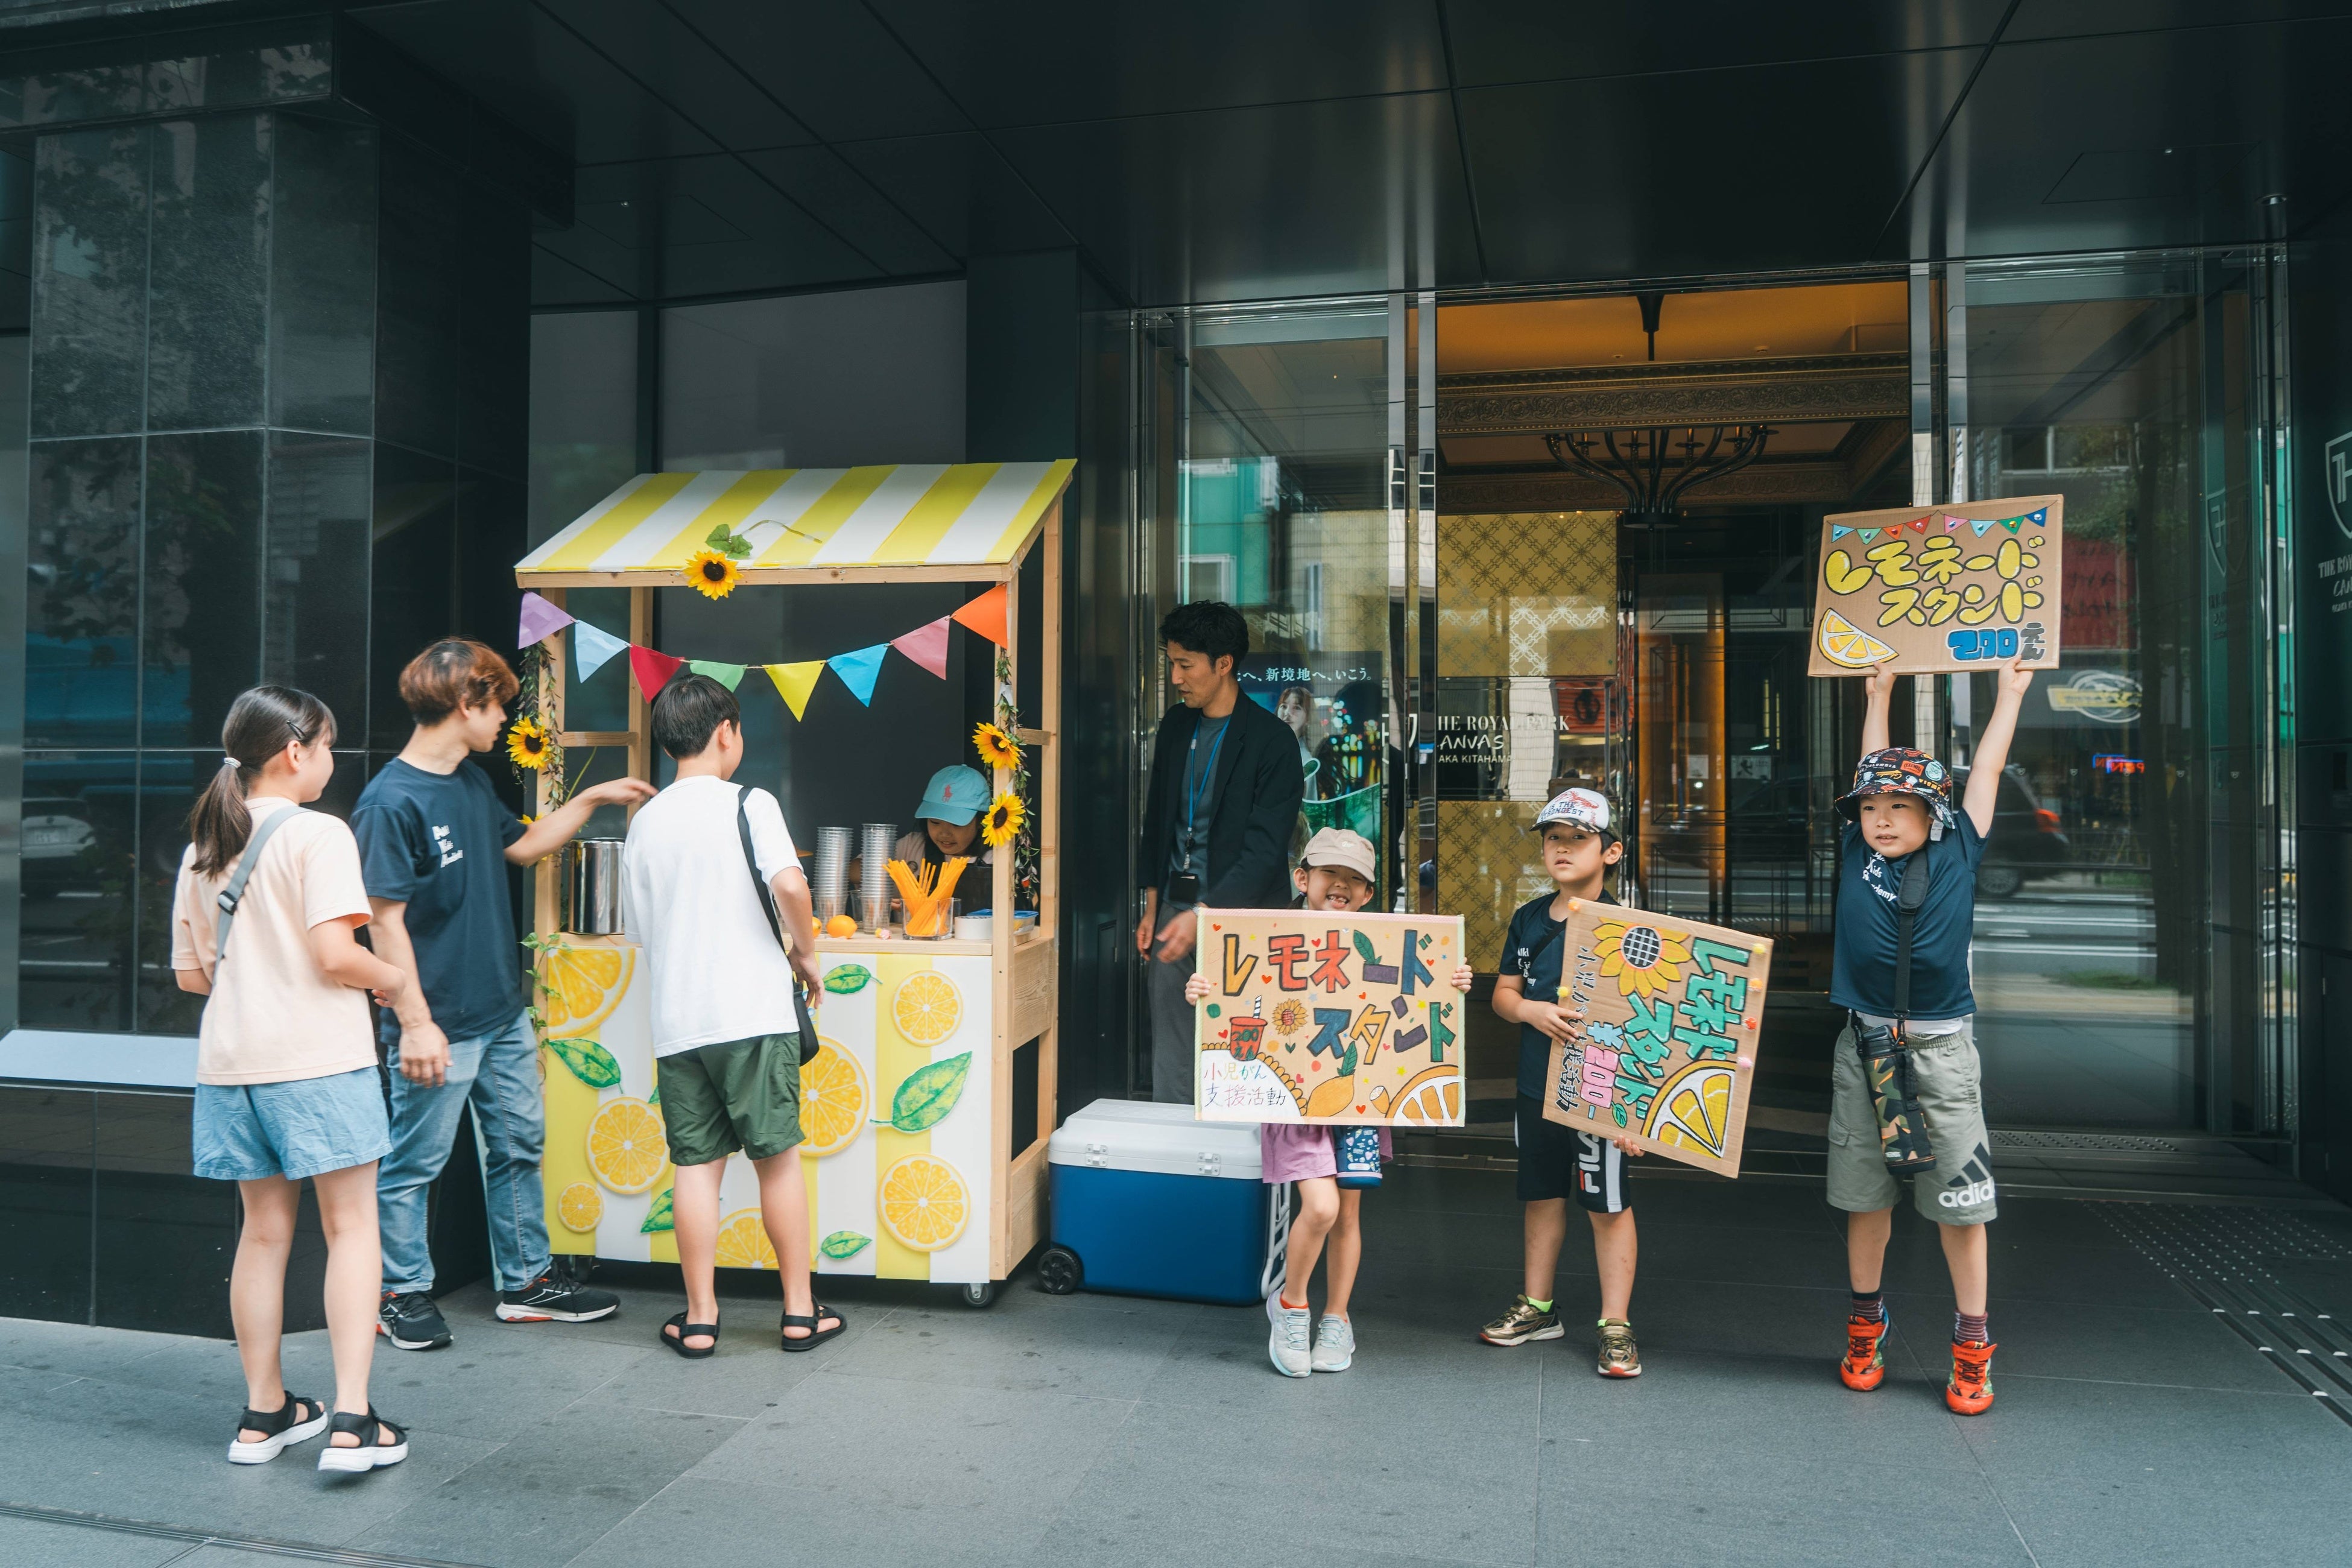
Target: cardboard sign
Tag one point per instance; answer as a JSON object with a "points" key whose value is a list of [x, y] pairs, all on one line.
{"points": [[1940, 588], [1345, 1019], [1673, 1009]]}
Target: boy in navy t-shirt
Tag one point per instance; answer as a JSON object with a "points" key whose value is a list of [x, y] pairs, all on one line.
{"points": [[1578, 847], [1901, 807]]}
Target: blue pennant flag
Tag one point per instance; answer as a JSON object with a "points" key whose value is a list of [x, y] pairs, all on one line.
{"points": [[591, 649], [1836, 533], [859, 669]]}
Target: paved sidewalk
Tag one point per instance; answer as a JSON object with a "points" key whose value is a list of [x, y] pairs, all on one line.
{"points": [[2132, 1427]]}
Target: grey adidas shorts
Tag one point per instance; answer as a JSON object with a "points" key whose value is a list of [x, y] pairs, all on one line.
{"points": [[1960, 1190]]}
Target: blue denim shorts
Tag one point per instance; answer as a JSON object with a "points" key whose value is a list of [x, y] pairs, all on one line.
{"points": [[245, 1131]]}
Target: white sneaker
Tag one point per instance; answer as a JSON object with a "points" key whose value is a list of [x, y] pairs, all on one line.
{"points": [[1287, 1346], [1335, 1344]]}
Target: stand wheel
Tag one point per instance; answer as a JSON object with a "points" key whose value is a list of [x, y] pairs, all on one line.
{"points": [[981, 1294], [1059, 1271]]}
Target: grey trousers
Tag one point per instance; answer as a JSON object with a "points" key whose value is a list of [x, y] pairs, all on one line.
{"points": [[1171, 1029]]}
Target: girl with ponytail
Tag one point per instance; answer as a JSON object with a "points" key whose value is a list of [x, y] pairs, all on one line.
{"points": [[288, 1086]]}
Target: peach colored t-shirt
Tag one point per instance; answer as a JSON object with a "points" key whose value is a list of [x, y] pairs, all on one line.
{"points": [[273, 1015]]}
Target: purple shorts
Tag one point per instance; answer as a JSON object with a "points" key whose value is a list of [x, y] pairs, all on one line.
{"points": [[1293, 1151]]}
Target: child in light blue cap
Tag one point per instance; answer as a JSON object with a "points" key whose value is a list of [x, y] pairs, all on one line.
{"points": [[947, 820]]}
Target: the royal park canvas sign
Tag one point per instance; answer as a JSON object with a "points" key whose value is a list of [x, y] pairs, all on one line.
{"points": [[1673, 1010], [1345, 1019], [1928, 589]]}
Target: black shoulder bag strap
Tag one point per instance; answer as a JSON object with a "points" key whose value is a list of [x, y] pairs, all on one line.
{"points": [[234, 892], [1909, 898], [807, 1025]]}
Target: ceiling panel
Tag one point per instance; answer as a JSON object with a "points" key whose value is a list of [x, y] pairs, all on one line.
{"points": [[555, 280], [1497, 41], [2149, 139], [855, 207], [1315, 198], [682, 227], [1097, 59], [2072, 18], [677, 64], [834, 65], [1702, 171], [963, 195]]}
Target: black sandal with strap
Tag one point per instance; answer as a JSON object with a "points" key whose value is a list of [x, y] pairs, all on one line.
{"points": [[298, 1420], [687, 1331], [815, 1335], [373, 1453]]}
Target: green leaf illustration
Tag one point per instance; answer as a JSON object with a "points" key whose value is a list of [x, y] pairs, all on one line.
{"points": [[929, 1093], [847, 979], [1364, 948], [659, 1217], [844, 1244], [591, 1063], [655, 1098]]}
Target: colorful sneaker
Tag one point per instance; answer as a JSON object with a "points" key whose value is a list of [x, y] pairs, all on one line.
{"points": [[1335, 1344], [411, 1321], [1619, 1356], [1287, 1346], [1864, 1366], [1970, 1391], [548, 1298], [1523, 1322]]}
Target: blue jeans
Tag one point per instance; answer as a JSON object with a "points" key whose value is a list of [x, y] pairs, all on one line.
{"points": [[497, 1075]]}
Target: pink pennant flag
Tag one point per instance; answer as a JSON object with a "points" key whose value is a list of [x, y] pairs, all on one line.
{"points": [[927, 645], [1952, 524], [541, 619]]}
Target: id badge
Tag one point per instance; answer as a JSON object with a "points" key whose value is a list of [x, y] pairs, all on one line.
{"points": [[1184, 888]]}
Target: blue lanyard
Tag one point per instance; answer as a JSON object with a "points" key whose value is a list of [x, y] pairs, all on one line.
{"points": [[1192, 786]]}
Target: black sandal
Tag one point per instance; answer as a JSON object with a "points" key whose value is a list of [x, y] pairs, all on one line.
{"points": [[685, 1329], [282, 1427], [815, 1335], [372, 1452]]}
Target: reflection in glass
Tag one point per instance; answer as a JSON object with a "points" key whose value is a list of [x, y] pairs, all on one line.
{"points": [[411, 598], [79, 858], [316, 589], [90, 281], [81, 675], [209, 289], [322, 276], [583, 414], [417, 301], [201, 640]]}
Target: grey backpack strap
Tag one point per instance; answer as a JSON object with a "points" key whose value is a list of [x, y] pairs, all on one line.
{"points": [[234, 892]]}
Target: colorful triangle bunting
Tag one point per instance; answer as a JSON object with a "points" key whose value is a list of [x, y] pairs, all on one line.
{"points": [[1837, 533], [2010, 523], [1918, 525], [857, 669], [542, 618], [1980, 526], [652, 669], [794, 682], [592, 648], [727, 675], [1870, 533], [927, 645], [985, 616]]}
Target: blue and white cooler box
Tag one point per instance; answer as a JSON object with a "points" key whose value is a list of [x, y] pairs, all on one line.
{"points": [[1149, 1201]]}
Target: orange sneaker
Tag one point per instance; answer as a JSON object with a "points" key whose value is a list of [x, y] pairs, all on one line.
{"points": [[1864, 1366], [1970, 1391]]}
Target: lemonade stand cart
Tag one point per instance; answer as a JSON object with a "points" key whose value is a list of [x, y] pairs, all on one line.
{"points": [[908, 1108]]}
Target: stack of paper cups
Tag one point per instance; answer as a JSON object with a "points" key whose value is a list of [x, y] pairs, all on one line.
{"points": [[832, 871], [878, 840]]}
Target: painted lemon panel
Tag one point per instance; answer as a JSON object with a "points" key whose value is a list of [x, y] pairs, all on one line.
{"points": [[927, 1007], [833, 1099], [1693, 1110], [1431, 1096], [1845, 643], [1331, 1097], [924, 1202], [626, 1149], [744, 1242], [580, 1206], [584, 984]]}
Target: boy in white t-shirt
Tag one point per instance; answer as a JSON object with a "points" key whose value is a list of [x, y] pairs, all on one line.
{"points": [[725, 1037]]}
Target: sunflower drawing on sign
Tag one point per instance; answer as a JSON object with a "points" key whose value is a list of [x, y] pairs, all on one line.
{"points": [[1644, 961]]}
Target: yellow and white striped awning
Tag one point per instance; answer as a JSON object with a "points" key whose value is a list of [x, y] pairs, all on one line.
{"points": [[923, 517]]}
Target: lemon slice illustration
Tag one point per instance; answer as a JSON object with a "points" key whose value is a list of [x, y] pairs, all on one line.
{"points": [[924, 1202], [1432, 1098], [1693, 1110], [1845, 643], [580, 1206], [833, 1100], [927, 1007], [584, 984], [626, 1151], [744, 1242]]}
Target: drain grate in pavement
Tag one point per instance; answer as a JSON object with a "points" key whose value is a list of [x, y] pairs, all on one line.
{"points": [[2229, 1259], [2109, 1143]]}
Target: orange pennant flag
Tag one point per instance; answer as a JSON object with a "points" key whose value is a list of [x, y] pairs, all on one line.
{"points": [[985, 616]]}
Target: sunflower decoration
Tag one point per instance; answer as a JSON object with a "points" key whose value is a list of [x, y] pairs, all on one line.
{"points": [[1003, 824], [997, 747], [710, 573], [1645, 960], [528, 746], [1289, 1016]]}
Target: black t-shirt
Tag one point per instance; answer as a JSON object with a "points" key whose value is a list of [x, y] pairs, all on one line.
{"points": [[437, 842], [1533, 949], [1862, 977]]}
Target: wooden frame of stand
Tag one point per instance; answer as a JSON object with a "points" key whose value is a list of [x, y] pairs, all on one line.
{"points": [[1025, 965]]}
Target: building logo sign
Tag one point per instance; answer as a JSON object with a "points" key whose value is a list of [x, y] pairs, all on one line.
{"points": [[2100, 695], [2339, 482]]}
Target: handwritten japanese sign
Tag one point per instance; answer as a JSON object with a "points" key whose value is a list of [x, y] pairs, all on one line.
{"points": [[1940, 588], [1671, 1012], [1341, 1018]]}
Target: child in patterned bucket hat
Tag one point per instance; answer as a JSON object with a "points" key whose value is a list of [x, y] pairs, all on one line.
{"points": [[1900, 811]]}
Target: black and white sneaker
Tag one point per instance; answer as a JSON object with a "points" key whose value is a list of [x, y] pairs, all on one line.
{"points": [[551, 1299], [411, 1321]]}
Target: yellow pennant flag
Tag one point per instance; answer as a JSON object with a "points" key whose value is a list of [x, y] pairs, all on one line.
{"points": [[795, 681]]}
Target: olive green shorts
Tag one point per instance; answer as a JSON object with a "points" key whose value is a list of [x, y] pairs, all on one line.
{"points": [[736, 1094], [1960, 1190]]}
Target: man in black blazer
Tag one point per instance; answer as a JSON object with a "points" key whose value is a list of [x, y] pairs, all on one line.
{"points": [[1226, 791]]}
